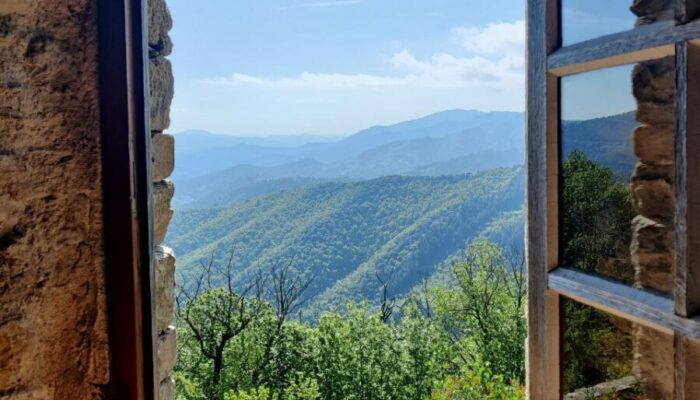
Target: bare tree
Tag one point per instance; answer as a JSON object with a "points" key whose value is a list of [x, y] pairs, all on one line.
{"points": [[287, 290], [216, 313], [388, 303], [515, 260]]}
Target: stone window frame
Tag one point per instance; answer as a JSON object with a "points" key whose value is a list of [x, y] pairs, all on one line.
{"points": [[125, 126], [547, 280]]}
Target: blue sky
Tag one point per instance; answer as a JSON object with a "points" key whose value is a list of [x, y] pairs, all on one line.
{"points": [[332, 67]]}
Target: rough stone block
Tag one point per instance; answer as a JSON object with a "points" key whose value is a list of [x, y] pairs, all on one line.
{"points": [[163, 192], [654, 363], [653, 198], [54, 340], [652, 254], [654, 145], [655, 81], [159, 24], [654, 113], [166, 353], [650, 11], [163, 156], [167, 389], [165, 287], [161, 93], [650, 172]]}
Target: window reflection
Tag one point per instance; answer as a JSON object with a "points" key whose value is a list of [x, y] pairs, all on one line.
{"points": [[597, 162], [617, 152], [589, 19], [609, 358]]}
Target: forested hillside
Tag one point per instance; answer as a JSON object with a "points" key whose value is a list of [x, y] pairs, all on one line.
{"points": [[349, 236], [217, 171]]}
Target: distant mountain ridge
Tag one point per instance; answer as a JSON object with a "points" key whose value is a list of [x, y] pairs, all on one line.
{"points": [[403, 149], [346, 234], [398, 202], [447, 143]]}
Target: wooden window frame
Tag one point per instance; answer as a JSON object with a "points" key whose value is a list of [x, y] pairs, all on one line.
{"points": [[128, 206], [547, 63]]}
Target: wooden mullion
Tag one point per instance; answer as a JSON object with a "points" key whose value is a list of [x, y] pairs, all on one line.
{"points": [[687, 176], [642, 43], [542, 120], [616, 298], [687, 197]]}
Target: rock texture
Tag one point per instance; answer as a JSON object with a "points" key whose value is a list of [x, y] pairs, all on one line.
{"points": [[163, 156], [652, 180], [53, 331], [652, 247], [165, 288]]}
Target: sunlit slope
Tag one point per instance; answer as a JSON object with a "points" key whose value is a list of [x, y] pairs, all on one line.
{"points": [[347, 234]]}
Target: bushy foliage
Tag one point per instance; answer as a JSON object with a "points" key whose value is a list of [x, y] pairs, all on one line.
{"points": [[596, 212], [477, 383], [429, 349], [486, 313]]}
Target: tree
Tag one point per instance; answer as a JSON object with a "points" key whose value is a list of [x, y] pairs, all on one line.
{"points": [[216, 315], [485, 316], [596, 212]]}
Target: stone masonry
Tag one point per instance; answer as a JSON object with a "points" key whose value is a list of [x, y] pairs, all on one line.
{"points": [[652, 248], [162, 147], [53, 325]]}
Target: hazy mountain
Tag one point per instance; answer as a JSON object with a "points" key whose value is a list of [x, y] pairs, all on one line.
{"points": [[448, 143], [442, 139], [607, 141], [345, 233], [396, 201], [200, 153]]}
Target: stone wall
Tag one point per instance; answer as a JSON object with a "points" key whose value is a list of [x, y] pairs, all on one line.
{"points": [[161, 90], [653, 229], [53, 330], [652, 248]]}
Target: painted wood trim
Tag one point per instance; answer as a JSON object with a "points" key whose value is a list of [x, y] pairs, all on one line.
{"points": [[126, 163], [543, 37], [637, 305], [643, 43]]}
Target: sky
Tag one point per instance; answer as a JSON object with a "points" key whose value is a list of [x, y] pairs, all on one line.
{"points": [[333, 67]]}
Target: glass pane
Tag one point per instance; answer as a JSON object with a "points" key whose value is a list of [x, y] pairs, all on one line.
{"points": [[616, 202], [589, 19], [607, 357]]}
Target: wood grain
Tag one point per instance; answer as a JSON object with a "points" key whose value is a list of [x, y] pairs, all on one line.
{"points": [[687, 192], [637, 305], [646, 42], [542, 97]]}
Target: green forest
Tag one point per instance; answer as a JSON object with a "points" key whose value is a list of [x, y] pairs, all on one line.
{"points": [[350, 235], [379, 290], [459, 342]]}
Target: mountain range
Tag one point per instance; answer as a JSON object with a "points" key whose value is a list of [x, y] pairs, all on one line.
{"points": [[396, 202], [349, 234]]}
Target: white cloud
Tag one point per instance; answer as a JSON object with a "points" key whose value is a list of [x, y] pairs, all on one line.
{"points": [[497, 38], [494, 58]]}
